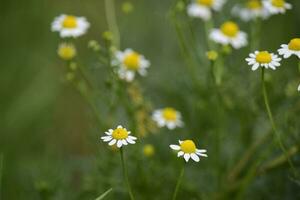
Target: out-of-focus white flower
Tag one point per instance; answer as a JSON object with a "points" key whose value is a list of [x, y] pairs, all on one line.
{"points": [[229, 34], [251, 10], [203, 8], [120, 136], [70, 26], [292, 48], [187, 149], [263, 59], [130, 63], [168, 117], [277, 6]]}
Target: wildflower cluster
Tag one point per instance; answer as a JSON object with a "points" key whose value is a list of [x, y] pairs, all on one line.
{"points": [[127, 67]]}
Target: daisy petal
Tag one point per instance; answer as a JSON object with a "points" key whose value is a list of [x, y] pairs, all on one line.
{"points": [[175, 147], [195, 157], [112, 142], [186, 157], [180, 153]]}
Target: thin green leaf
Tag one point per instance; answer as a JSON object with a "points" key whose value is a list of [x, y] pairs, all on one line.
{"points": [[104, 194]]}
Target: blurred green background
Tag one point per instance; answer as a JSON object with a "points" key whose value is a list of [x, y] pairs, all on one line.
{"points": [[49, 141]]}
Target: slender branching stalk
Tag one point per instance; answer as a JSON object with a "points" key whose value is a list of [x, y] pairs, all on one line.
{"points": [[178, 183], [271, 118], [125, 173], [278, 161], [245, 159]]}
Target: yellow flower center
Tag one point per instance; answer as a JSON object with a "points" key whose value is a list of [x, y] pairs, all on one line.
{"points": [[254, 4], [278, 3], [263, 57], [295, 44], [120, 134], [148, 150], [207, 3], [230, 29], [69, 22], [169, 114], [132, 61], [66, 51], [188, 146]]}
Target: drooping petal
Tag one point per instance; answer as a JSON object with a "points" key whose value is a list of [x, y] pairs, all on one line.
{"points": [[119, 143], [195, 157], [175, 147], [112, 142], [124, 142], [106, 138], [180, 153], [186, 157], [130, 141]]}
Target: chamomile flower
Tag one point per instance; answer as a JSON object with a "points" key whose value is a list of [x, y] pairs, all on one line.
{"points": [[130, 63], [168, 117], [298, 88], [203, 8], [119, 136], [70, 26], [66, 51], [187, 149], [292, 48], [251, 10], [277, 6], [229, 34], [263, 59]]}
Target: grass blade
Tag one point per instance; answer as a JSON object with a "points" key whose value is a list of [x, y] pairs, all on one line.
{"points": [[104, 194]]}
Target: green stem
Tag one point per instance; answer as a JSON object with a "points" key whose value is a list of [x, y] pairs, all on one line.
{"points": [[112, 22], [299, 66], [278, 160], [1, 169], [125, 173], [178, 183], [270, 115], [184, 49], [255, 33], [245, 159], [90, 103], [85, 77], [208, 26]]}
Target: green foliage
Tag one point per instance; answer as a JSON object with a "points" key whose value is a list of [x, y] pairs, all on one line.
{"points": [[53, 113]]}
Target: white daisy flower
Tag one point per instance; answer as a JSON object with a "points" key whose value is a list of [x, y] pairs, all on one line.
{"points": [[293, 48], [251, 10], [168, 117], [277, 6], [263, 59], [130, 63], [229, 34], [187, 149], [120, 136], [70, 26], [203, 8], [298, 88]]}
